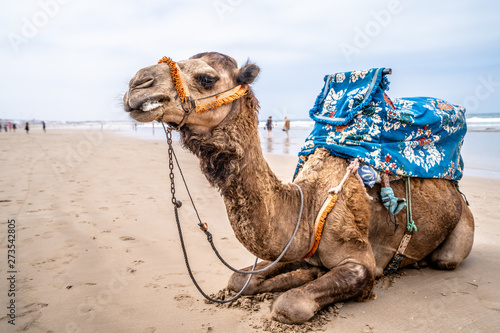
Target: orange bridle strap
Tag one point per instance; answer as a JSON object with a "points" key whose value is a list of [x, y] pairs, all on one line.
{"points": [[182, 88], [205, 103]]}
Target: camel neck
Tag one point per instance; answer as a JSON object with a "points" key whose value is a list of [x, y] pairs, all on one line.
{"points": [[262, 210]]}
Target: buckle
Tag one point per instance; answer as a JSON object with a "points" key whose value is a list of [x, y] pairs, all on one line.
{"points": [[189, 105]]}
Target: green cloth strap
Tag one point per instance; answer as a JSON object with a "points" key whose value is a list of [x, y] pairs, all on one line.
{"points": [[410, 224]]}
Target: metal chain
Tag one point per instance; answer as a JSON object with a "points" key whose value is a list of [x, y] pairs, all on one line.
{"points": [[168, 132], [177, 204]]}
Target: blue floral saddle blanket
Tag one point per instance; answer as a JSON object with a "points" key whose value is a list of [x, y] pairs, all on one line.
{"points": [[415, 137]]}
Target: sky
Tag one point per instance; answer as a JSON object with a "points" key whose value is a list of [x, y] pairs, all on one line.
{"points": [[71, 60]]}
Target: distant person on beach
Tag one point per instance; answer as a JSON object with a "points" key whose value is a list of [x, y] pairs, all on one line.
{"points": [[14, 126], [43, 126], [27, 128], [286, 127], [269, 125]]}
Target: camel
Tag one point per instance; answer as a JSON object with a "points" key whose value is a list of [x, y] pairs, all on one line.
{"points": [[357, 242]]}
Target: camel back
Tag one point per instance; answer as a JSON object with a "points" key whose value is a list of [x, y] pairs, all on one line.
{"points": [[415, 137]]}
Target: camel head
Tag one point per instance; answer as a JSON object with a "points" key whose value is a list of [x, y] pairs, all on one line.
{"points": [[204, 86]]}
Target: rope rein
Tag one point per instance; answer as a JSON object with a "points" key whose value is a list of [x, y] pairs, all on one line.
{"points": [[204, 227]]}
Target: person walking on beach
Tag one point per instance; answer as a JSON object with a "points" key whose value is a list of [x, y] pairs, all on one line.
{"points": [[27, 128], [43, 126], [14, 126], [286, 127], [269, 125]]}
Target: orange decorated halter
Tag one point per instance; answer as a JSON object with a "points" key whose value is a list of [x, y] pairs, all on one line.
{"points": [[202, 104]]}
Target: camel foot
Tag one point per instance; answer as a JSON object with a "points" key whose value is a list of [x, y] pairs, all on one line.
{"points": [[293, 307], [444, 265]]}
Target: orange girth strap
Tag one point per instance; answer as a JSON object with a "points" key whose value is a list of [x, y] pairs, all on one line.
{"points": [[203, 104], [326, 208]]}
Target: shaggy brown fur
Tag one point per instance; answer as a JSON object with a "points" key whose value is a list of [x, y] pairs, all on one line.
{"points": [[357, 242]]}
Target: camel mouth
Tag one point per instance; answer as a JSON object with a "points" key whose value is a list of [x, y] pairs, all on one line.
{"points": [[145, 117], [150, 105], [146, 105], [147, 110]]}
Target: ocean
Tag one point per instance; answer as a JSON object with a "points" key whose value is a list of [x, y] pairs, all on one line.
{"points": [[481, 149]]}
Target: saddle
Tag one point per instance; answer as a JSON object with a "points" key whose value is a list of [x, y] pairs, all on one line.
{"points": [[411, 137]]}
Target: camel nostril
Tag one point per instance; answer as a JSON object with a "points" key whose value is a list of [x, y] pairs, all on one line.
{"points": [[142, 83]]}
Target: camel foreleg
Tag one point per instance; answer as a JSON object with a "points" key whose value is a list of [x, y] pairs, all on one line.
{"points": [[281, 277], [343, 282]]}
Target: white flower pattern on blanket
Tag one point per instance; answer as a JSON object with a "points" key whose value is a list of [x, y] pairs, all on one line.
{"points": [[419, 137]]}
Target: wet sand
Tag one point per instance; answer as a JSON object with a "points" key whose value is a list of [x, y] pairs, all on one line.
{"points": [[97, 249]]}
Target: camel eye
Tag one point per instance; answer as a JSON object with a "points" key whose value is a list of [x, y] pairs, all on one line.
{"points": [[207, 81]]}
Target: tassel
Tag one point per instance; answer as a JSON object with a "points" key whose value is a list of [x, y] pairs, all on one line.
{"points": [[176, 77]]}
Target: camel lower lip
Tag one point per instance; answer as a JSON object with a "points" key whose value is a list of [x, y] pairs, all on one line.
{"points": [[150, 106], [148, 116]]}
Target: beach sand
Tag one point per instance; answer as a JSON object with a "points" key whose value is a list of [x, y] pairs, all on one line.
{"points": [[97, 249]]}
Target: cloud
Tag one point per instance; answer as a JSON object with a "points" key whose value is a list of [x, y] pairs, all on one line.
{"points": [[83, 53]]}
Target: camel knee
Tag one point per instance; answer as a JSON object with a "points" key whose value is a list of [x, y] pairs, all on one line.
{"points": [[237, 282], [293, 307]]}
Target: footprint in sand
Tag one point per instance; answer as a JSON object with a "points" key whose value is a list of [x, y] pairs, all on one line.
{"points": [[128, 313], [185, 301], [208, 328], [152, 285], [47, 235], [127, 238], [367, 329]]}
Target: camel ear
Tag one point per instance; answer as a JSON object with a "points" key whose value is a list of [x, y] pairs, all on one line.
{"points": [[247, 74]]}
